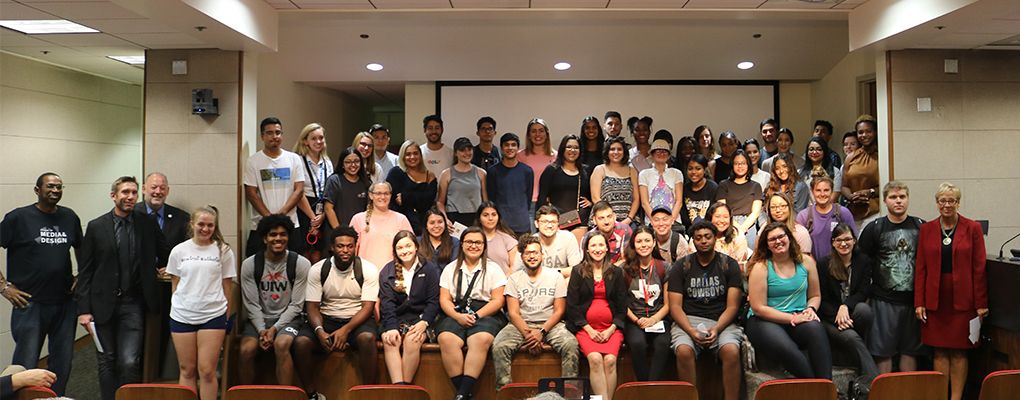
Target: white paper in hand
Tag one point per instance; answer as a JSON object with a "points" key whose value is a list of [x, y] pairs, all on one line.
{"points": [[702, 330], [95, 336], [658, 327], [975, 330], [458, 228]]}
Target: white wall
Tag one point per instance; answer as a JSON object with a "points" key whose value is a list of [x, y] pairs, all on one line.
{"points": [[85, 128]]}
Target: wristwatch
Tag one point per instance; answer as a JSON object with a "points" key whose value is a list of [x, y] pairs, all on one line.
{"points": [[544, 332]]}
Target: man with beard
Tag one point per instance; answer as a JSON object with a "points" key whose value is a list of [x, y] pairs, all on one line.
{"points": [[274, 181], [613, 123], [38, 239], [273, 285], [560, 250], [121, 253], [486, 155], [536, 299], [618, 234], [172, 221], [768, 128], [891, 241], [704, 297], [437, 156], [341, 295]]}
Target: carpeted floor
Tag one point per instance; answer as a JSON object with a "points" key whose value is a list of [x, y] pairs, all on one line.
{"points": [[84, 381]]}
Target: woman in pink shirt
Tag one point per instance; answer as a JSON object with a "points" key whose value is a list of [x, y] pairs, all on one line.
{"points": [[378, 225]]}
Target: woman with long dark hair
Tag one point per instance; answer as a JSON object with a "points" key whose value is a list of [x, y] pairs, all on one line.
{"points": [[753, 150], [731, 241], [616, 181], [437, 245], [471, 296], [705, 145], [685, 148], [645, 275], [565, 185], [699, 191], [408, 305], [786, 180], [502, 242], [723, 166], [596, 310], [592, 142], [818, 162], [845, 278], [346, 190], [742, 195]]}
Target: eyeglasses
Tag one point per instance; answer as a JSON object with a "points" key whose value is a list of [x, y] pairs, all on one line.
{"points": [[364, 145], [473, 243], [532, 252], [777, 239], [351, 162], [779, 207], [740, 163], [947, 202], [548, 221], [843, 241], [487, 129], [574, 148]]}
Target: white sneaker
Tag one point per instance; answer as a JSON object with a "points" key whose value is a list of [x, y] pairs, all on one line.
{"points": [[320, 396]]}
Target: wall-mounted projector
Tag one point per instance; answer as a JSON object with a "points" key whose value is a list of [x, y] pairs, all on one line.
{"points": [[203, 103]]}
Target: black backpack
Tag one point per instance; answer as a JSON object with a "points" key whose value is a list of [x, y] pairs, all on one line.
{"points": [[260, 266], [327, 266]]}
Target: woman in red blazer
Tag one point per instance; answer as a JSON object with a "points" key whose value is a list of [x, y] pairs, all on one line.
{"points": [[950, 286]]}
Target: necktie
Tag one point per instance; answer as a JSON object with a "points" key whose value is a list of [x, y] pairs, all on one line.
{"points": [[159, 218]]}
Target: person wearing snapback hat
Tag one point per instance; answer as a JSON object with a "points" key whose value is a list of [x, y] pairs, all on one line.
{"points": [[661, 185], [462, 186]]}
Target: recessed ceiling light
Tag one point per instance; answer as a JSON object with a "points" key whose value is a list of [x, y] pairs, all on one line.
{"points": [[133, 60], [562, 66], [745, 65], [374, 67], [34, 27]]}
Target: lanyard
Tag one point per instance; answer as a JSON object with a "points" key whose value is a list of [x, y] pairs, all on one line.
{"points": [[320, 177], [644, 287]]}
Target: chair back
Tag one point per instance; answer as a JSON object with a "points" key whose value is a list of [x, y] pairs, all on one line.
{"points": [[800, 389], [920, 385], [264, 392], [387, 392], [656, 390], [153, 391], [1001, 385], [35, 392]]}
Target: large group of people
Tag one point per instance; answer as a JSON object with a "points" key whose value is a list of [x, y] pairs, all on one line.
{"points": [[512, 244]]}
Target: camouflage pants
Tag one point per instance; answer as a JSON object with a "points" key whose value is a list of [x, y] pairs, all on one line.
{"points": [[509, 340]]}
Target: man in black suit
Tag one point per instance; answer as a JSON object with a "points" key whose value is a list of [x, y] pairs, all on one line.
{"points": [[121, 253], [172, 221]]}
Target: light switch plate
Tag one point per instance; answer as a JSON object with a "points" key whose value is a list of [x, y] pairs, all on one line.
{"points": [[924, 104], [180, 67]]}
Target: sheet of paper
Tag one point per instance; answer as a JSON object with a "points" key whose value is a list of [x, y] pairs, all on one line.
{"points": [[975, 329], [95, 336], [458, 228], [658, 327]]}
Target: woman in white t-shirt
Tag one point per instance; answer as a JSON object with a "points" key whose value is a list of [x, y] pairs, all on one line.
{"points": [[471, 297], [200, 272], [366, 147], [661, 186]]}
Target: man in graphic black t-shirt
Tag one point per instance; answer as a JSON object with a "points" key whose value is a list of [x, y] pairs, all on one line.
{"points": [[892, 242], [704, 296], [38, 239]]}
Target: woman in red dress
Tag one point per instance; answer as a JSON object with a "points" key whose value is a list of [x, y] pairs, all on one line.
{"points": [[950, 286], [596, 311]]}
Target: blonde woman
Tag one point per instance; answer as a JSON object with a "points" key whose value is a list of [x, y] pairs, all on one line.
{"points": [[366, 147], [414, 186], [201, 270], [311, 147], [378, 225], [538, 154]]}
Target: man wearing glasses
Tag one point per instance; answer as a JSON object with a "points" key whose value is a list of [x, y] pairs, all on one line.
{"points": [[486, 155], [274, 181], [559, 247], [536, 299]]}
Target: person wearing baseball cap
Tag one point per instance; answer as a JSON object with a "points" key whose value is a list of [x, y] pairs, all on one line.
{"points": [[661, 185]]}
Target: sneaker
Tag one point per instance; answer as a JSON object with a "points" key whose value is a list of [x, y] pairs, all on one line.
{"points": [[318, 396]]}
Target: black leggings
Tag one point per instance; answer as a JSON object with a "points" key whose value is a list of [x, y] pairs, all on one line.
{"points": [[637, 340], [783, 343]]}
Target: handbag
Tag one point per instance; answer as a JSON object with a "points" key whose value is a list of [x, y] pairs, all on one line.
{"points": [[573, 217]]}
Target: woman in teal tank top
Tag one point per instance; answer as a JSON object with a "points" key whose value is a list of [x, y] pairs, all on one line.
{"points": [[784, 294]]}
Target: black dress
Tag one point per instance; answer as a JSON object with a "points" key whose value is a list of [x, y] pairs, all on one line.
{"points": [[417, 197], [561, 190]]}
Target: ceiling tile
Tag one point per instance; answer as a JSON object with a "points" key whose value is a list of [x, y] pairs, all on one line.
{"points": [[797, 5], [644, 4], [87, 10], [569, 3], [724, 3], [115, 26], [104, 51], [490, 3], [962, 40], [410, 4], [1007, 26], [83, 39], [849, 4], [161, 39], [21, 11], [20, 39], [52, 52]]}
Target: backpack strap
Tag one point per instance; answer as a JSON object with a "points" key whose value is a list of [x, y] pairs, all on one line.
{"points": [[291, 267], [324, 273], [260, 266], [674, 241], [359, 275], [660, 269], [811, 217]]}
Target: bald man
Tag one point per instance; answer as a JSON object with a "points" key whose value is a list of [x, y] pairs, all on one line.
{"points": [[173, 221]]}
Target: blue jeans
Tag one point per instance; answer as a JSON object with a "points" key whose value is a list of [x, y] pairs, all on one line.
{"points": [[122, 338], [30, 325]]}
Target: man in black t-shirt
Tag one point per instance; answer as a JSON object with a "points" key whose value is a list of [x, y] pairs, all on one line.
{"points": [[704, 297], [892, 242], [38, 239]]}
